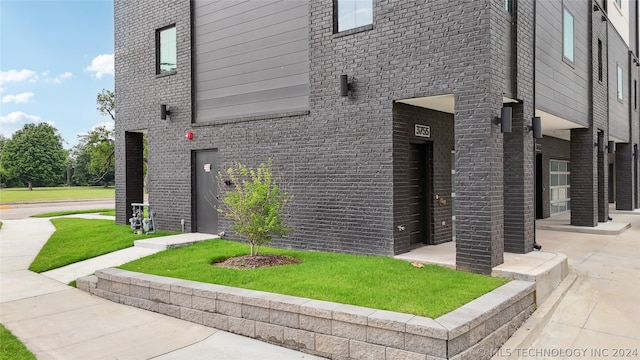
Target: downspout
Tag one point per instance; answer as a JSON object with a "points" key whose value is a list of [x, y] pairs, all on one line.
{"points": [[536, 246]]}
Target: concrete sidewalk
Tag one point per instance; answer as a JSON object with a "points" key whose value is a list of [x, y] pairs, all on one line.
{"points": [[599, 315], [56, 321]]}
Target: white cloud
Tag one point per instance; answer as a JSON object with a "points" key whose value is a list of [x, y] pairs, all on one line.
{"points": [[101, 65], [18, 99], [17, 76], [18, 117], [109, 125], [58, 79]]}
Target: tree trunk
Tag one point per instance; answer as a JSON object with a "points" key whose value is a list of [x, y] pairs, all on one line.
{"points": [[30, 184]]}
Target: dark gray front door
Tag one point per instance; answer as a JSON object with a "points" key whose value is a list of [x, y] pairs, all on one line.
{"points": [[206, 191], [419, 225]]}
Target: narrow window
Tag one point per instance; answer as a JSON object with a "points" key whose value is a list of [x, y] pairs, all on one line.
{"points": [[351, 14], [166, 50], [508, 6], [635, 94], [619, 91], [567, 35], [619, 3], [599, 60]]}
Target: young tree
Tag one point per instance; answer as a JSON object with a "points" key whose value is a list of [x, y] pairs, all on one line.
{"points": [[254, 203], [34, 154]]}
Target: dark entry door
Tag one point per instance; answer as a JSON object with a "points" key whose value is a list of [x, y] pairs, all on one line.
{"points": [[206, 190], [420, 223]]}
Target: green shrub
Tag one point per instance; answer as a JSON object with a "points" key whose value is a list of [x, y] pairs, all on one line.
{"points": [[255, 204]]}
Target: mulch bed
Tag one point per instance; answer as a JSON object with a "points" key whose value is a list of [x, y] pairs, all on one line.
{"points": [[257, 261]]}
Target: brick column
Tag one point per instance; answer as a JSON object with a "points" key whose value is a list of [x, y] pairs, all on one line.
{"points": [[603, 185], [624, 177], [479, 184], [519, 185], [584, 178]]}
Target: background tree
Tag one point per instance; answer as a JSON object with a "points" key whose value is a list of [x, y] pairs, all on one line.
{"points": [[34, 154], [255, 204], [107, 103]]}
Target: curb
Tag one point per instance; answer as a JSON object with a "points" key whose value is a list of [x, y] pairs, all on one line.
{"points": [[529, 331]]}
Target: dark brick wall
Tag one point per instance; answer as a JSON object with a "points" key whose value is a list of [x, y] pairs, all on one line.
{"points": [[584, 178], [519, 186], [337, 159], [139, 93], [405, 117], [599, 108], [624, 177]]}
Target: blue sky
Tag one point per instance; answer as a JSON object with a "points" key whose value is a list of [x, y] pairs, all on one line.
{"points": [[55, 56]]}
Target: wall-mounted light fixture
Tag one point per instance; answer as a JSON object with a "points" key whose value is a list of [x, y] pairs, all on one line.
{"points": [[505, 119], [536, 127], [345, 86], [611, 145], [164, 112], [600, 144]]}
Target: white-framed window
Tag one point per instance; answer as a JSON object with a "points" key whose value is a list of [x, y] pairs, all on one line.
{"points": [[559, 186], [620, 86], [166, 50], [508, 6], [351, 14], [568, 38]]}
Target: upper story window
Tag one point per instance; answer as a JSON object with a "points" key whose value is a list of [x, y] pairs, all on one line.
{"points": [[166, 50], [620, 79], [351, 14], [600, 62], [508, 6], [567, 35]]}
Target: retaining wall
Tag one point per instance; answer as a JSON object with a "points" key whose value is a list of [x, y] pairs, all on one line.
{"points": [[332, 330]]}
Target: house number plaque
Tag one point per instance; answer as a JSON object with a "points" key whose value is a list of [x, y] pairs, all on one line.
{"points": [[423, 131]]}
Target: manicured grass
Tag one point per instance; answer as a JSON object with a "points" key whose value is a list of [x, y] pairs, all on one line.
{"points": [[80, 239], [11, 348], [369, 281], [111, 212], [55, 193], [72, 212]]}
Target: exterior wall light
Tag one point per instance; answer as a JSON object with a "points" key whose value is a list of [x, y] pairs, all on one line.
{"points": [[505, 118], [164, 112], [536, 127], [345, 87]]}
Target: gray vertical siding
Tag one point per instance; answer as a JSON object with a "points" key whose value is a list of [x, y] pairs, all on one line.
{"points": [[562, 89], [251, 58], [618, 109]]}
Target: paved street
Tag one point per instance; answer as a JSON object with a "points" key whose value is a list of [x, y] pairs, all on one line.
{"points": [[21, 211]]}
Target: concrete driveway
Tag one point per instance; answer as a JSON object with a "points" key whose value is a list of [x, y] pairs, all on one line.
{"points": [[599, 317]]}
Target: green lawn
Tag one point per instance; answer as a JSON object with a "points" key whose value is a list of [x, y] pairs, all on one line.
{"points": [[80, 239], [55, 193], [369, 281], [11, 348], [111, 212]]}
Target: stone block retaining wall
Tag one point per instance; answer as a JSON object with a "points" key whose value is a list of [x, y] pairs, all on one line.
{"points": [[326, 329]]}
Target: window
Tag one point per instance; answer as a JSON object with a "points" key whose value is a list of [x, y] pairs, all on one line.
{"points": [[560, 186], [619, 3], [635, 94], [599, 60], [508, 6], [567, 35], [351, 14], [619, 91], [166, 53]]}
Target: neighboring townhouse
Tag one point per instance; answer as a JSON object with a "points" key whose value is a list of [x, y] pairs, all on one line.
{"points": [[386, 120]]}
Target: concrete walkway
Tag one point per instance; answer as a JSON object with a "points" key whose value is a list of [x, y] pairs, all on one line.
{"points": [[599, 315], [56, 321]]}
